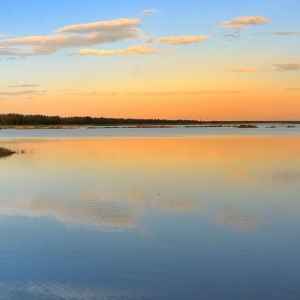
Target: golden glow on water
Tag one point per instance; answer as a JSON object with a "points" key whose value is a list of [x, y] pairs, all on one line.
{"points": [[111, 181]]}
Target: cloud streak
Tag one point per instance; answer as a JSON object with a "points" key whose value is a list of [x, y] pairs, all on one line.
{"points": [[286, 66], [185, 39], [148, 12], [23, 85], [100, 26], [241, 70], [280, 33], [244, 21], [134, 50], [22, 93]]}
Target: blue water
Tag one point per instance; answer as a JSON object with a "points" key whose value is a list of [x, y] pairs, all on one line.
{"points": [[159, 216], [172, 131]]}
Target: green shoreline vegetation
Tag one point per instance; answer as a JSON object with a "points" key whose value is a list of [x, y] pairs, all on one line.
{"points": [[20, 121], [5, 152]]}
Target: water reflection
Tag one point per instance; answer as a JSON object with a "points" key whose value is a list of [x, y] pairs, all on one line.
{"points": [[54, 291], [287, 176], [151, 218], [112, 181], [237, 219]]}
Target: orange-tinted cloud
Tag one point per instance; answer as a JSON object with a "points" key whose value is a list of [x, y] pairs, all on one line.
{"points": [[185, 39], [141, 49], [244, 21], [242, 70], [80, 35]]}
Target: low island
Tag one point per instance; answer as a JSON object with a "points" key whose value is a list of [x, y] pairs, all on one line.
{"points": [[5, 152]]}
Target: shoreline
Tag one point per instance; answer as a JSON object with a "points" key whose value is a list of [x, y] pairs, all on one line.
{"points": [[5, 152], [233, 124]]}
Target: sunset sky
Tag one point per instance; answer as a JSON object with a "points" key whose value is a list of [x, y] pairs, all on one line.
{"points": [[206, 60]]}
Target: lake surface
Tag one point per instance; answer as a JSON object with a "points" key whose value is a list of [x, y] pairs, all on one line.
{"points": [[165, 213]]}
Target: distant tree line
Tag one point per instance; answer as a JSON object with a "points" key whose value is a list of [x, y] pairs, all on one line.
{"points": [[19, 119], [36, 120]]}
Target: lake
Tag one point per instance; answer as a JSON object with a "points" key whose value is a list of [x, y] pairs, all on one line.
{"points": [[150, 213]]}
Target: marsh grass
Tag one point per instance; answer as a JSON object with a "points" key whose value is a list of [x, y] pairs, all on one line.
{"points": [[247, 126], [5, 152]]}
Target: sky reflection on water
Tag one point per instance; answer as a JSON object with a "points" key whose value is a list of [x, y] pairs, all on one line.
{"points": [[151, 218]]}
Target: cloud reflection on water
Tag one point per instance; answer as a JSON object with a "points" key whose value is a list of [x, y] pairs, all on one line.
{"points": [[113, 181], [98, 209], [237, 219], [287, 176]]}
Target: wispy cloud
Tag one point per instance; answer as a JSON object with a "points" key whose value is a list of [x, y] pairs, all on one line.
{"points": [[234, 35], [286, 66], [185, 39], [282, 33], [22, 93], [23, 86], [160, 93], [141, 49], [244, 21], [293, 89], [148, 12], [7, 50], [241, 70], [78, 35], [100, 26], [188, 93]]}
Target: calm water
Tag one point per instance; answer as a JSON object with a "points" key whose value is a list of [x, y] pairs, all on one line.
{"points": [[180, 213]]}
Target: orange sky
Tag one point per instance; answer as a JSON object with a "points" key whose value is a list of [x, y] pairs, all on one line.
{"points": [[171, 61]]}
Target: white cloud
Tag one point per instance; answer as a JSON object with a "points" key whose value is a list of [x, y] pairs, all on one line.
{"points": [[142, 49], [100, 26], [149, 12], [245, 21], [286, 66], [80, 35], [185, 39]]}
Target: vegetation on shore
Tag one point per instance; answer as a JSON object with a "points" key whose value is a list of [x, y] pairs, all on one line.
{"points": [[36, 120], [5, 152], [247, 126], [41, 121]]}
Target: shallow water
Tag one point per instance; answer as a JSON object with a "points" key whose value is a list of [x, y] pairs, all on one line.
{"points": [[104, 214]]}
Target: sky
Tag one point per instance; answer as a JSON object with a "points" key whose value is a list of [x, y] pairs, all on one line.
{"points": [[192, 59]]}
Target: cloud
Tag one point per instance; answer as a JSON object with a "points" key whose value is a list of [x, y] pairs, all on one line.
{"points": [[23, 85], [157, 93], [79, 35], [286, 66], [5, 50], [100, 26], [22, 93], [188, 93], [293, 89], [265, 69], [241, 70], [232, 35], [185, 39], [149, 12], [245, 21], [282, 33], [142, 49]]}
